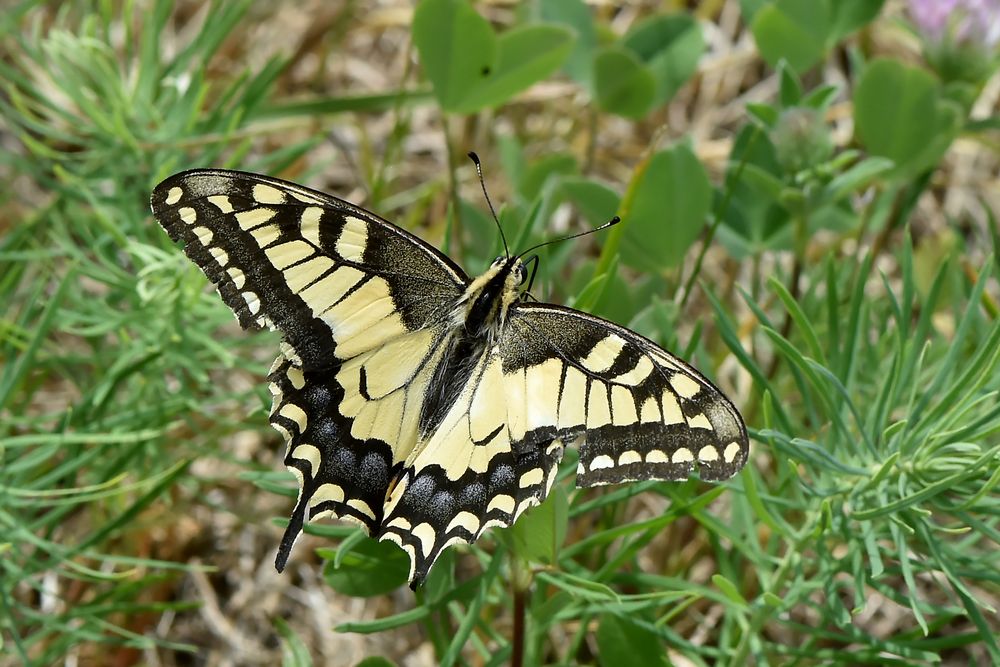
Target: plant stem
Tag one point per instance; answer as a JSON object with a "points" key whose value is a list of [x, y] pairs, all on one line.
{"points": [[801, 239], [455, 233], [716, 221], [517, 641]]}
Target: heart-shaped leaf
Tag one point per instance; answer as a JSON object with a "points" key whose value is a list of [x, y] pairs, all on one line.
{"points": [[621, 642], [900, 114], [538, 535], [525, 56], [792, 30], [670, 46], [596, 201], [470, 67], [669, 208], [371, 568], [457, 47], [622, 84], [575, 15]]}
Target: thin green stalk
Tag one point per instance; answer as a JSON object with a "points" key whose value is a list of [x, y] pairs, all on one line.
{"points": [[716, 222], [765, 610]]}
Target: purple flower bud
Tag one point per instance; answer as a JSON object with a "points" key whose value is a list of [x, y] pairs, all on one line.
{"points": [[968, 22], [960, 37]]}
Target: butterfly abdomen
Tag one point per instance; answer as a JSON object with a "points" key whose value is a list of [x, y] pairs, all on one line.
{"points": [[476, 322], [459, 361]]}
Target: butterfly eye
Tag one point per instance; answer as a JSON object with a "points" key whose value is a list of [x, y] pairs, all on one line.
{"points": [[498, 261], [522, 273]]}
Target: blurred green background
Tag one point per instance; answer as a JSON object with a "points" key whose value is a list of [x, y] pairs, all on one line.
{"points": [[808, 190]]}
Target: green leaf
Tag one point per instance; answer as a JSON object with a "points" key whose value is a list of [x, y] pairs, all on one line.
{"points": [[525, 56], [749, 8], [371, 568], [846, 16], [821, 97], [535, 176], [596, 201], [547, 612], [670, 45], [752, 220], [899, 114], [792, 30], [575, 15], [457, 48], [440, 581], [388, 623], [790, 90], [621, 642], [580, 588], [539, 534], [622, 84], [729, 589], [858, 177], [470, 67], [480, 230], [588, 296], [975, 125], [669, 209], [294, 652], [763, 181], [766, 114], [376, 661]]}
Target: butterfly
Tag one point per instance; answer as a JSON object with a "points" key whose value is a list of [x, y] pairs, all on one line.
{"points": [[422, 404]]}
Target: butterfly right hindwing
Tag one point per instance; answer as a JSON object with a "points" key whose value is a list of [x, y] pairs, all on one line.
{"points": [[554, 376]]}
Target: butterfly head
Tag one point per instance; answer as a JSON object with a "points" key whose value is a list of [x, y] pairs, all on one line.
{"points": [[482, 309], [514, 270]]}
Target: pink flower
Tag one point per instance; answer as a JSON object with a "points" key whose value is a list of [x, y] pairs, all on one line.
{"points": [[969, 22]]}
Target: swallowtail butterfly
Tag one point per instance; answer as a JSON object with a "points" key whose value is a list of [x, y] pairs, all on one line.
{"points": [[422, 404]]}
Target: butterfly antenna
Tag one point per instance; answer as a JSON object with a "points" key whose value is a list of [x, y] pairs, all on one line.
{"points": [[610, 223], [479, 170]]}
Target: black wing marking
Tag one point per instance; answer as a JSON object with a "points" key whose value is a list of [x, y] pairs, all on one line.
{"points": [[430, 511], [339, 475], [557, 375], [465, 476]]}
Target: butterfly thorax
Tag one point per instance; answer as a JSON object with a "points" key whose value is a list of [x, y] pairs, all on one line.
{"points": [[482, 310], [476, 323]]}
